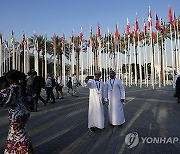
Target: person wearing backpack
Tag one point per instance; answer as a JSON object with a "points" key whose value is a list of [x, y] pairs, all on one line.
{"points": [[39, 83], [49, 88], [69, 85], [30, 87]]}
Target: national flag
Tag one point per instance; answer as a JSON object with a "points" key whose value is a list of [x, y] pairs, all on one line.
{"points": [[152, 35], [63, 39], [170, 14], [137, 23], [12, 38], [24, 42], [99, 31], [81, 36], [128, 27], [145, 27], [116, 34], [157, 23], [149, 19], [175, 22], [72, 37], [163, 29], [90, 37]]}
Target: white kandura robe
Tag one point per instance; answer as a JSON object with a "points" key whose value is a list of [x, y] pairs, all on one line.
{"points": [[96, 110], [114, 93]]}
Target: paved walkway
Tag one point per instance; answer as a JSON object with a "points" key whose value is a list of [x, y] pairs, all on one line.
{"points": [[62, 127]]}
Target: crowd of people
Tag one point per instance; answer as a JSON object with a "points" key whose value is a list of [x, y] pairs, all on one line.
{"points": [[21, 94]]}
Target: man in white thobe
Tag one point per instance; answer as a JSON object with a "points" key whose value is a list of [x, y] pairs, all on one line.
{"points": [[96, 110], [115, 95]]}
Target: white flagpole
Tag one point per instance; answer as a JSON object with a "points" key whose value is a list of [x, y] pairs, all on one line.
{"points": [[118, 62], [82, 67], [1, 60], [166, 70], [55, 73], [3, 63], [9, 60], [159, 70], [135, 60], [100, 55], [28, 57], [14, 52], [64, 66], [176, 52], [178, 42], [151, 55], [37, 59], [172, 53], [139, 55], [25, 60], [163, 58], [125, 62], [45, 54]]}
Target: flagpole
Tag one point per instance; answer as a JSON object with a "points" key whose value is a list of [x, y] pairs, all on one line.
{"points": [[176, 52], [82, 67], [28, 57], [1, 60], [139, 55], [64, 65], [9, 61], [54, 39], [172, 53], [13, 58], [178, 42], [125, 60], [135, 67], [159, 72], [129, 61], [163, 62], [45, 54]]}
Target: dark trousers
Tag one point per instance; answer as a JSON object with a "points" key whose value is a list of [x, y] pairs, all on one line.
{"points": [[49, 92], [38, 96]]}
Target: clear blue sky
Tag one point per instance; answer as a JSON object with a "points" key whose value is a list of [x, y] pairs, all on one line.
{"points": [[58, 16]]}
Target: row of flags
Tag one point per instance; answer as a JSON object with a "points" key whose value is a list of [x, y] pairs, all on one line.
{"points": [[159, 26]]}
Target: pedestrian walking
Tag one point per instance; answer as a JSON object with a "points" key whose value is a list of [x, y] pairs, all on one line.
{"points": [[69, 85], [49, 88], [59, 88], [115, 95], [96, 110], [31, 90], [17, 140], [178, 89], [176, 75], [74, 85], [39, 83]]}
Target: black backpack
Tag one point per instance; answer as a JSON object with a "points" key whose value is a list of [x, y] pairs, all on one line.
{"points": [[31, 82], [53, 82]]}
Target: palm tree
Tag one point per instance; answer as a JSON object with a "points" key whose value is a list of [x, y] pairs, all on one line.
{"points": [[41, 47]]}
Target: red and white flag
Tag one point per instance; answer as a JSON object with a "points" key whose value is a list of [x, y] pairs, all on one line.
{"points": [[149, 19], [170, 14], [128, 27]]}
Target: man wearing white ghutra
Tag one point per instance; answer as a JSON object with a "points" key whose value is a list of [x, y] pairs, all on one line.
{"points": [[96, 111], [115, 95]]}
